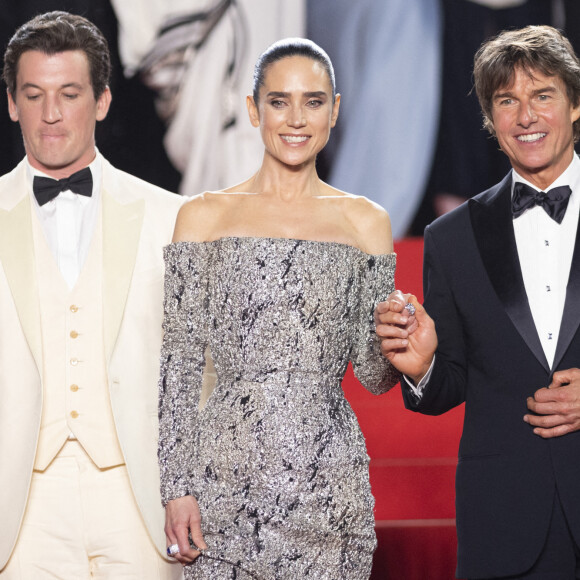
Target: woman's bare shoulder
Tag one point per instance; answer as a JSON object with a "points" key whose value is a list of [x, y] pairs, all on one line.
{"points": [[197, 217], [204, 216], [371, 223]]}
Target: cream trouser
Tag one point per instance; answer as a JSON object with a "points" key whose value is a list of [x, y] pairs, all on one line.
{"points": [[82, 523]]}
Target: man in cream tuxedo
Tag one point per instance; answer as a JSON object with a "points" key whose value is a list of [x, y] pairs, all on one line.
{"points": [[81, 293]]}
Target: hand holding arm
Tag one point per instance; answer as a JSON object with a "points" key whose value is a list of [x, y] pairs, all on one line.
{"points": [[557, 407], [182, 516], [408, 341]]}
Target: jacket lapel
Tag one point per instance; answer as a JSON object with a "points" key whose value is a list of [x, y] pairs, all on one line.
{"points": [[571, 314], [17, 258], [121, 232], [491, 220]]}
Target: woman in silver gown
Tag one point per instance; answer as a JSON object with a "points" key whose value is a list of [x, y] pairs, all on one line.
{"points": [[279, 276]]}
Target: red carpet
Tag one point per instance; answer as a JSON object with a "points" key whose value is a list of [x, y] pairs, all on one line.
{"points": [[412, 471]]}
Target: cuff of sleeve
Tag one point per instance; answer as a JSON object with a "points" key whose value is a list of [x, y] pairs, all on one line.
{"points": [[179, 489], [418, 389]]}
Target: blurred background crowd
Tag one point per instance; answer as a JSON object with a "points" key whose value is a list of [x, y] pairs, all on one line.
{"points": [[409, 135]]}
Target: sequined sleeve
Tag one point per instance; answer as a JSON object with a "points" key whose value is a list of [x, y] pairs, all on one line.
{"points": [[182, 362], [373, 370]]}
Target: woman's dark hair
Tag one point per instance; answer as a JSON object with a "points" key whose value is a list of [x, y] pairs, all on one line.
{"points": [[286, 48], [55, 32]]}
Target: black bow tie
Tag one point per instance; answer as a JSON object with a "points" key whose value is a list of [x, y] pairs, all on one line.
{"points": [[46, 188], [554, 202]]}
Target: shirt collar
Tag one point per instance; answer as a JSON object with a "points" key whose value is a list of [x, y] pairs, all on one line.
{"points": [[570, 176]]}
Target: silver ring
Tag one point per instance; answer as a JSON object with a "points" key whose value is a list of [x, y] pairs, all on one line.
{"points": [[172, 550], [410, 308]]}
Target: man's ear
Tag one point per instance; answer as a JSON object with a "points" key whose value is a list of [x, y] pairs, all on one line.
{"points": [[488, 124], [12, 108], [575, 113], [103, 103]]}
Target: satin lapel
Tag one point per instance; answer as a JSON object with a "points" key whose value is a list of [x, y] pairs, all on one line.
{"points": [[493, 229], [121, 232], [571, 315], [17, 257]]}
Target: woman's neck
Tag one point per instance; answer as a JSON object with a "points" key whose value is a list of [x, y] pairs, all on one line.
{"points": [[286, 182]]}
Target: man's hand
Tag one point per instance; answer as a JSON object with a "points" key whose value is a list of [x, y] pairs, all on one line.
{"points": [[181, 516], [408, 341], [557, 407]]}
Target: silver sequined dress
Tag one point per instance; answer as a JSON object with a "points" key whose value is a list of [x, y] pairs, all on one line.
{"points": [[276, 457]]}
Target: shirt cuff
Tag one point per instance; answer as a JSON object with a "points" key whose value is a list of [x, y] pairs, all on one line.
{"points": [[417, 390]]}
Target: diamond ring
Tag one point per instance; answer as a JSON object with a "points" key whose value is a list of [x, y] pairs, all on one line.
{"points": [[410, 308], [172, 550]]}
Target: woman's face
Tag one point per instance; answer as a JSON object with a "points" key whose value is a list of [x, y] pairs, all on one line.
{"points": [[295, 112]]}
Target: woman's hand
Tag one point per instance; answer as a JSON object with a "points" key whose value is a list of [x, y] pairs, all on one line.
{"points": [[408, 340], [182, 517]]}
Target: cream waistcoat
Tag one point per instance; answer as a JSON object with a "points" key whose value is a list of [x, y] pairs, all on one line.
{"points": [[75, 387]]}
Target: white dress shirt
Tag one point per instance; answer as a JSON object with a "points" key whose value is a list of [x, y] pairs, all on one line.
{"points": [[545, 249], [68, 222]]}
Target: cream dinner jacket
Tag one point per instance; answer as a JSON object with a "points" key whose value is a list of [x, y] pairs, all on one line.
{"points": [[138, 220]]}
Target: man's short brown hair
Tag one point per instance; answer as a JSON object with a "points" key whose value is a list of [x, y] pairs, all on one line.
{"points": [[55, 32], [532, 49]]}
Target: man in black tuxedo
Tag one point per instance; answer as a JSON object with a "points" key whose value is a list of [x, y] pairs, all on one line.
{"points": [[502, 289]]}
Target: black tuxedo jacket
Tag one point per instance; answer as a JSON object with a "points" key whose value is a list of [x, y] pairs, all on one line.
{"points": [[490, 357]]}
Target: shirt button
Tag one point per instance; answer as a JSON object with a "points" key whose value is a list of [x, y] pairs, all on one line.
{"points": [[73, 333], [74, 308], [74, 362], [74, 388], [74, 414]]}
